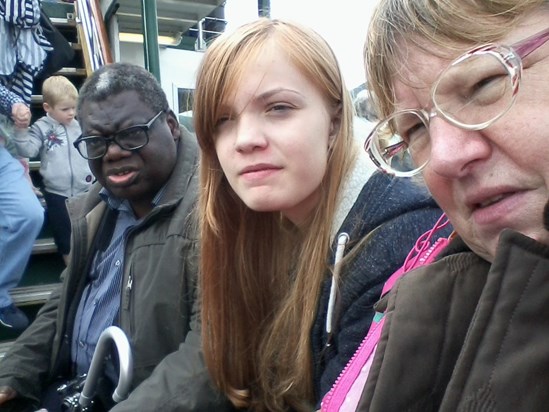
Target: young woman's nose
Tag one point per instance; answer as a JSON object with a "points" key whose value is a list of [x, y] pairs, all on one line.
{"points": [[454, 150], [249, 133]]}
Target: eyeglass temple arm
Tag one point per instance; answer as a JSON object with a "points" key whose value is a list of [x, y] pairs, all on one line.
{"points": [[527, 46]]}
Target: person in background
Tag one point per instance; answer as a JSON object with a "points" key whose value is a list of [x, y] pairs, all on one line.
{"points": [[298, 234], [462, 88], [21, 215], [24, 46], [363, 106], [65, 173], [365, 118], [133, 260]]}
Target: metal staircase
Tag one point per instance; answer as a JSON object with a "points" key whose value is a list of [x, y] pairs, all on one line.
{"points": [[43, 271]]}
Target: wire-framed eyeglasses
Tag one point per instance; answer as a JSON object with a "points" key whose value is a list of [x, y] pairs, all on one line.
{"points": [[474, 91], [131, 138]]}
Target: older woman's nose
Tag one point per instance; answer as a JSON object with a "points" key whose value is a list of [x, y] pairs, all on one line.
{"points": [[455, 150]]}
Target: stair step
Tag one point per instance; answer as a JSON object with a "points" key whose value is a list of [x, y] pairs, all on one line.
{"points": [[32, 295], [43, 246], [72, 71], [63, 22], [36, 99]]}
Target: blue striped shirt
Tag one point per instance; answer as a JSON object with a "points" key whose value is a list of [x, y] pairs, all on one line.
{"points": [[100, 302]]}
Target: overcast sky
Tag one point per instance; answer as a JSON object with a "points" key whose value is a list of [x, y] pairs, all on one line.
{"points": [[342, 23]]}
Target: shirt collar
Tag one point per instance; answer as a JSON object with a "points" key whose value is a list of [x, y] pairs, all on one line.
{"points": [[117, 203]]}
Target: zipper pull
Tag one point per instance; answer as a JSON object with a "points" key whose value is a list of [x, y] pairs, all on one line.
{"points": [[127, 293]]}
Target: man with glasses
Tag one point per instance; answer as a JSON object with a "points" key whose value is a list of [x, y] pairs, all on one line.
{"points": [[133, 259]]}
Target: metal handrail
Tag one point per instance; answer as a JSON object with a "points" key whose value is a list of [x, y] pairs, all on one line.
{"points": [[93, 35]]}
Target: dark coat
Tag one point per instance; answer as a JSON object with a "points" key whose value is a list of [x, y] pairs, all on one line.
{"points": [[395, 212], [156, 311], [466, 335]]}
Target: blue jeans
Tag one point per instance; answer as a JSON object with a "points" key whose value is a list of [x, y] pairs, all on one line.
{"points": [[21, 218]]}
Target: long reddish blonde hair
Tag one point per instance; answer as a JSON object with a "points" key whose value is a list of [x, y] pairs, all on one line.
{"points": [[260, 276]]}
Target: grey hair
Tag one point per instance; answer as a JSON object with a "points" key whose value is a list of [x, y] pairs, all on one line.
{"points": [[116, 78]]}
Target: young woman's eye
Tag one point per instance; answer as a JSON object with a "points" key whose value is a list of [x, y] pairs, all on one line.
{"points": [[279, 107], [222, 119]]}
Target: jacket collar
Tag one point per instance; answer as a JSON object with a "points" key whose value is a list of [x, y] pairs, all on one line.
{"points": [[359, 174]]}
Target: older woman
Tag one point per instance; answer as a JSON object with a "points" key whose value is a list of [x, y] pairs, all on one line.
{"points": [[463, 88]]}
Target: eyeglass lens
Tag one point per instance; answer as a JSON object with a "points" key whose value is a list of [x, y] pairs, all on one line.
{"points": [[471, 93], [476, 90], [401, 141], [131, 138]]}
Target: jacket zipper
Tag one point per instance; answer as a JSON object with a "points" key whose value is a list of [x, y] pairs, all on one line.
{"points": [[349, 373], [71, 168], [352, 370]]}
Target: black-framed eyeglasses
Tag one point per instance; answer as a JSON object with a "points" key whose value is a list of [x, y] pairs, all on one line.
{"points": [[474, 91], [131, 138]]}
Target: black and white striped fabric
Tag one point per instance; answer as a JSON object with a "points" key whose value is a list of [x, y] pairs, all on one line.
{"points": [[20, 13], [91, 33], [23, 48]]}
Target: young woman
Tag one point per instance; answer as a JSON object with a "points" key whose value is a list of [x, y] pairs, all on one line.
{"points": [[284, 196]]}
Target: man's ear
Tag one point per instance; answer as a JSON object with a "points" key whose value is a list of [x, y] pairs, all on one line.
{"points": [[173, 124]]}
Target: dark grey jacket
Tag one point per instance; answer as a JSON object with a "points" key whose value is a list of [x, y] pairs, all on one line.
{"points": [[393, 212], [156, 309], [466, 335]]}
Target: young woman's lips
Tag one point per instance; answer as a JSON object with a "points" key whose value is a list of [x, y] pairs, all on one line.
{"points": [[259, 172]]}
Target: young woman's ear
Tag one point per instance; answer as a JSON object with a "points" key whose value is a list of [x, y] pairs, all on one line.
{"points": [[334, 126]]}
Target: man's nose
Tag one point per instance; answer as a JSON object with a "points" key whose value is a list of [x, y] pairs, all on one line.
{"points": [[114, 151]]}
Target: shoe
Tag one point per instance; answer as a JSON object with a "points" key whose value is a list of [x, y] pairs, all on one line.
{"points": [[14, 318]]}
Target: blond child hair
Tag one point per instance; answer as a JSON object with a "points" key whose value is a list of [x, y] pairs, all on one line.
{"points": [[58, 88]]}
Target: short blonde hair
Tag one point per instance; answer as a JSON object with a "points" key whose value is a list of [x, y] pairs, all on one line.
{"points": [[58, 88]]}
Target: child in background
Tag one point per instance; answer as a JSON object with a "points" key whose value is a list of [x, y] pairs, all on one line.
{"points": [[64, 172]]}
